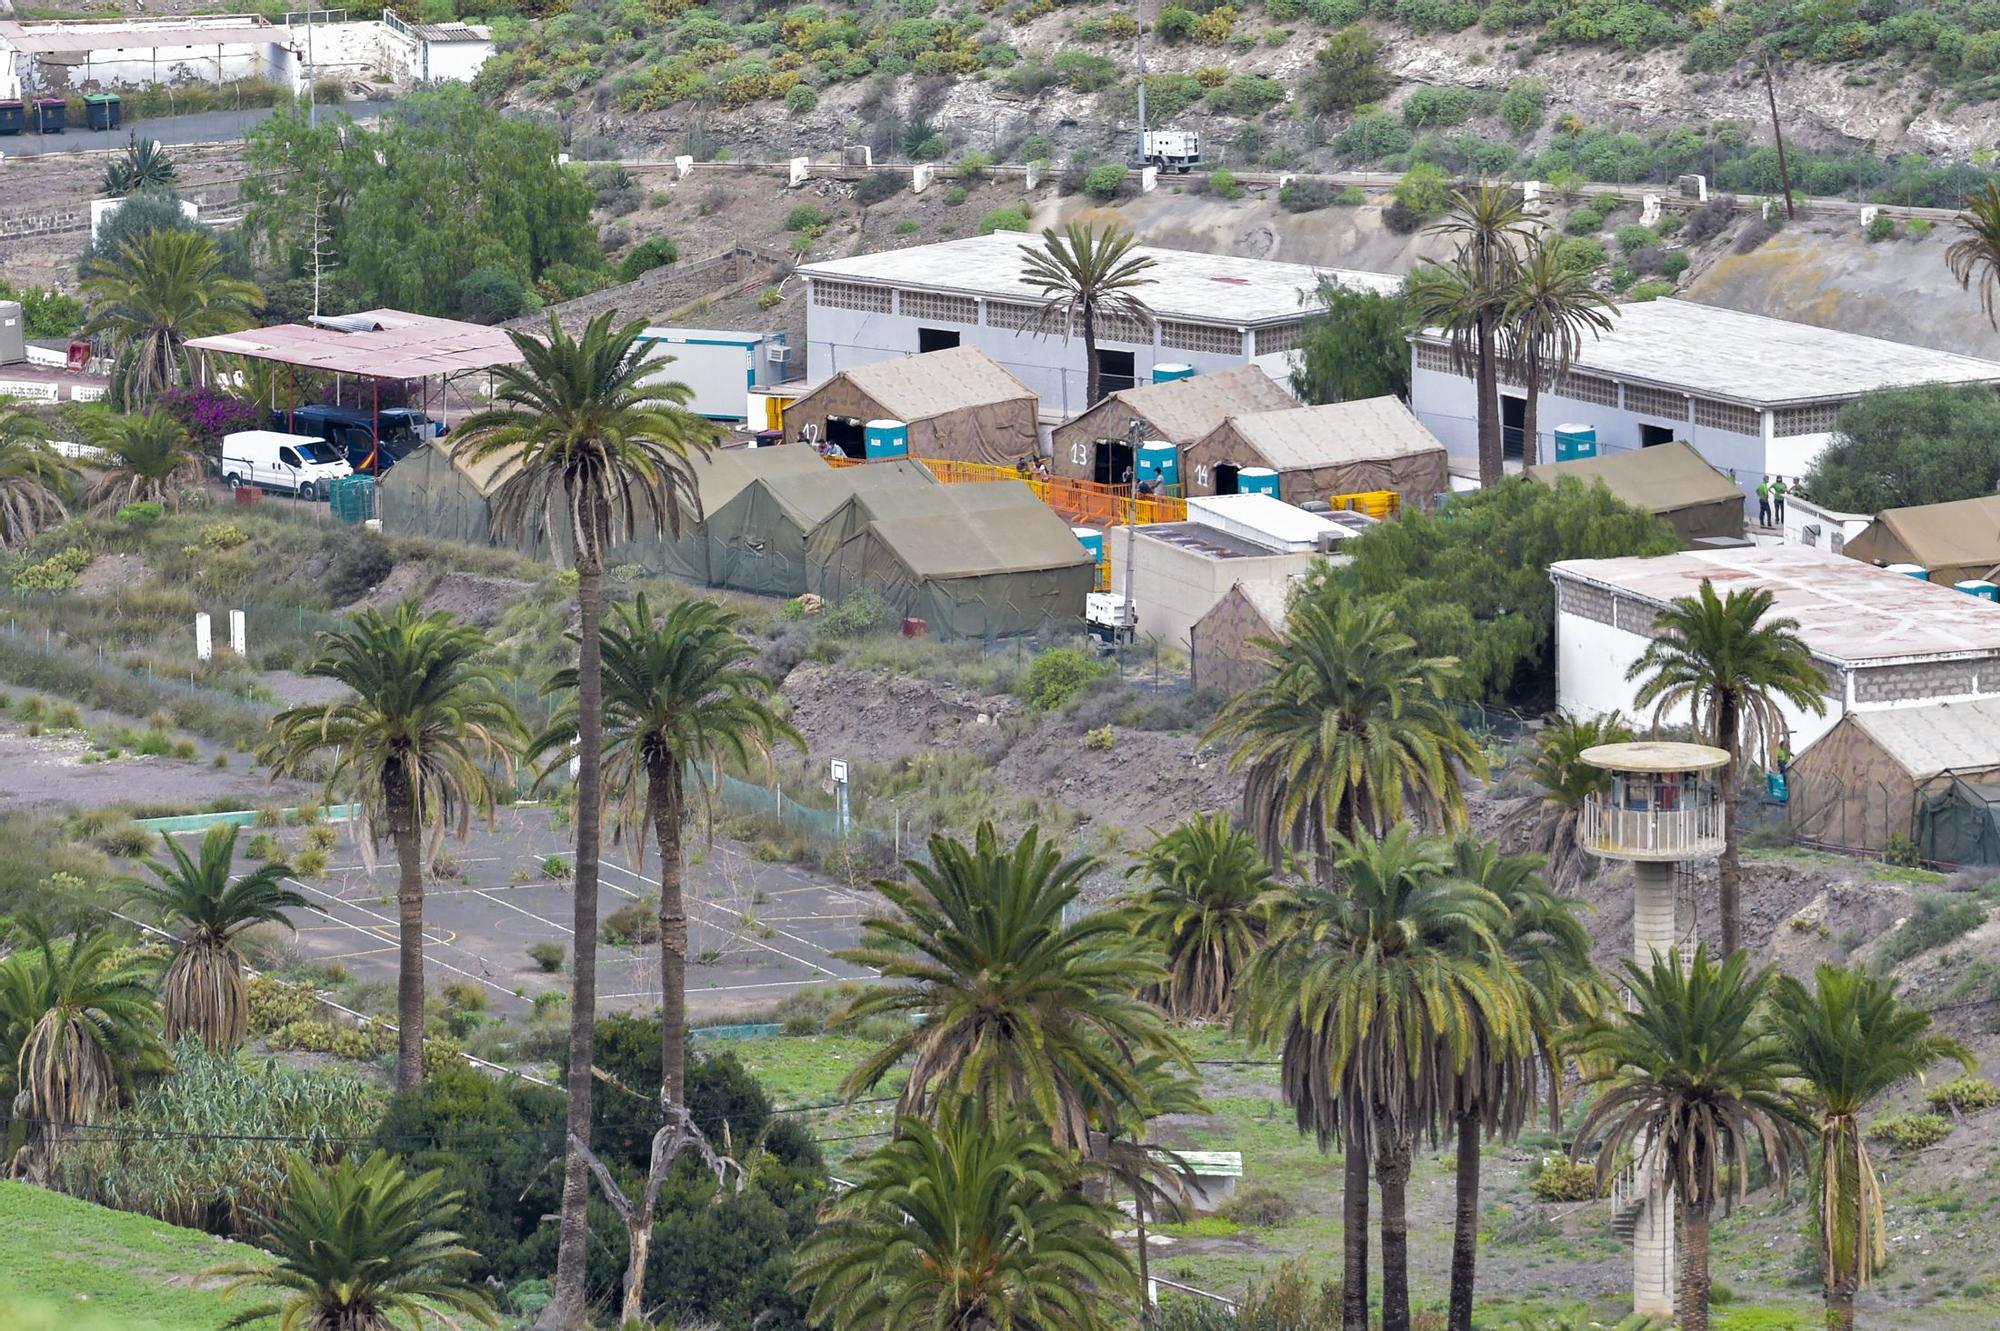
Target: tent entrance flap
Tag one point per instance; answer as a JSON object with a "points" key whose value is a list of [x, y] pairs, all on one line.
{"points": [[1958, 821]]}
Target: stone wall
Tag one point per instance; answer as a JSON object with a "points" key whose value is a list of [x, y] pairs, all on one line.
{"points": [[1925, 679], [45, 221]]}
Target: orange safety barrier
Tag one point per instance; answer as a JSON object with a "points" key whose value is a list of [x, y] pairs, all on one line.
{"points": [[1085, 503]]}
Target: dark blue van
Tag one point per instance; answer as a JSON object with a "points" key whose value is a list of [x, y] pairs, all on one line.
{"points": [[352, 430]]}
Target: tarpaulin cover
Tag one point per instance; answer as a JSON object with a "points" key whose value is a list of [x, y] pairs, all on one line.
{"points": [[1955, 541], [1670, 481], [1339, 448]]}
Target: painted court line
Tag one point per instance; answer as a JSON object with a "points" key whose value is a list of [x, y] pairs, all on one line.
{"points": [[754, 942]]}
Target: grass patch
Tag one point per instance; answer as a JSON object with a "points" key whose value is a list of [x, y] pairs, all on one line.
{"points": [[133, 1271]]}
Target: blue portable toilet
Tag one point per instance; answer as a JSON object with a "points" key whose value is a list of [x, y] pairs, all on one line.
{"points": [[1575, 441], [883, 440], [1159, 460], [1979, 587], [1092, 540], [1257, 481], [1917, 571], [1171, 373]]}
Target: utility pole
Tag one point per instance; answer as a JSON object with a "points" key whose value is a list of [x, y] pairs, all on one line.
{"points": [[1128, 614], [1139, 12], [1778, 133]]}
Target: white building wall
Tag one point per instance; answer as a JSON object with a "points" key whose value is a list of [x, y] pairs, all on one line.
{"points": [[1447, 404], [1172, 587], [840, 339], [1803, 513], [1591, 661], [352, 50], [455, 62], [136, 68]]}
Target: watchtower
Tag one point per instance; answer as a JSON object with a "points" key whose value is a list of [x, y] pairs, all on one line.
{"points": [[1663, 809]]}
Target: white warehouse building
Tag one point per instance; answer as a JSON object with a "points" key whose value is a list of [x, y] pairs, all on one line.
{"points": [[1883, 639], [1755, 396], [1211, 312]]}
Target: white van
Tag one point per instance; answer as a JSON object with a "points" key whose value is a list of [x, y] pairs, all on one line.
{"points": [[295, 464]]}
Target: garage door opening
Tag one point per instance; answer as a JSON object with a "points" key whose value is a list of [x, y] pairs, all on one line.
{"points": [[1225, 478], [1114, 460]]}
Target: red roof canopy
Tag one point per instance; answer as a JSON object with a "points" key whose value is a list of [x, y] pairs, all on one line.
{"points": [[388, 344]]}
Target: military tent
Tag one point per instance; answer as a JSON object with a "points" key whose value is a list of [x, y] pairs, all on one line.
{"points": [[757, 540], [959, 403], [1955, 541], [1899, 771], [1670, 481], [1339, 448], [1095, 446], [973, 561], [435, 493], [1222, 642]]}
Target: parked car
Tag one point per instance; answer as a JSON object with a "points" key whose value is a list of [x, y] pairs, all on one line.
{"points": [[294, 464], [352, 430]]}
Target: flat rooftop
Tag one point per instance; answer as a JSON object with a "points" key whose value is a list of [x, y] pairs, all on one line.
{"points": [[1211, 542], [1849, 613], [1187, 284], [74, 37], [1757, 361]]}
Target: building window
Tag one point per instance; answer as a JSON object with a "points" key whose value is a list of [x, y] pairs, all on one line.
{"points": [[1435, 358], [851, 296], [1821, 418], [1587, 388], [933, 308], [1285, 337], [1123, 328], [1178, 336], [1013, 314], [1712, 415], [1656, 402], [936, 339]]}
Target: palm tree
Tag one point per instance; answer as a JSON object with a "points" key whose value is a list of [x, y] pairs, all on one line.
{"points": [[1693, 1075], [202, 992], [1975, 256], [364, 1245], [414, 745], [1206, 898], [144, 166], [34, 478], [677, 698], [974, 1225], [1722, 663], [161, 289], [1548, 312], [147, 458], [1001, 999], [1375, 992], [598, 450], [76, 1021], [1351, 731], [1849, 1040], [1083, 272], [1546, 823], [1493, 1090], [1467, 298]]}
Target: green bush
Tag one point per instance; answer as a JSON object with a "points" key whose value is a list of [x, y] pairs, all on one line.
{"points": [[1964, 1095], [804, 217], [1175, 23], [973, 165], [1003, 219], [1584, 254], [879, 185], [264, 847], [1633, 236], [142, 514], [1644, 291], [1058, 676], [1674, 263], [1558, 1180], [547, 956], [1224, 184], [1084, 72], [1424, 189], [57, 573], [632, 924], [861, 612], [1246, 95], [800, 99], [1910, 1132], [1347, 72], [1881, 227], [1521, 105], [1430, 107], [1583, 222], [1936, 921], [273, 1003], [323, 1037], [1104, 182]]}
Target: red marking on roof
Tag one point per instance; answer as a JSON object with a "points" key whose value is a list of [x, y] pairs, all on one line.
{"points": [[1232, 281]]}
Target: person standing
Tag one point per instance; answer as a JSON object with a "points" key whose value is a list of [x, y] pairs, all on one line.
{"points": [[1764, 502], [1778, 493]]}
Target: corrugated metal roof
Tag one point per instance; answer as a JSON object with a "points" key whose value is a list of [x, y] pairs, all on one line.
{"points": [[1367, 430], [937, 383], [402, 346], [1937, 738], [1848, 612], [1186, 409]]}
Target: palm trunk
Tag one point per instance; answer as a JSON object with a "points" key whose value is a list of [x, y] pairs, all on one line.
{"points": [[1354, 1230], [1693, 1306], [1530, 409], [1840, 1303], [1465, 1226], [404, 831], [1145, 1263], [1731, 872], [1392, 1175], [664, 794], [1092, 382], [566, 1308], [1491, 463]]}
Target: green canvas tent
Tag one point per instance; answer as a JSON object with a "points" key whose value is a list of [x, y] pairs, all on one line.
{"points": [[757, 540], [988, 560]]}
